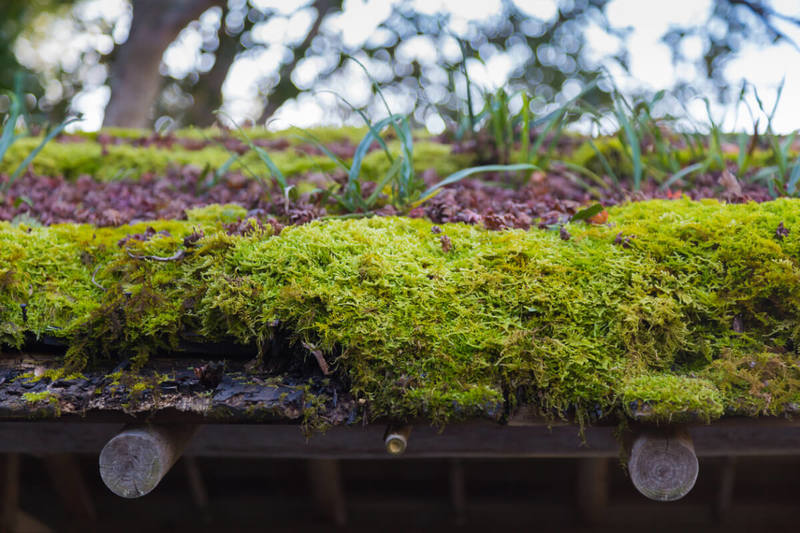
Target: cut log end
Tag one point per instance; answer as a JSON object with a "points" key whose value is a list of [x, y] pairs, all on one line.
{"points": [[663, 465], [134, 462], [396, 439]]}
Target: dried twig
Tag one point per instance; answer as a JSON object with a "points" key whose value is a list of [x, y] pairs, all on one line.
{"points": [[94, 281], [317, 353], [175, 257]]}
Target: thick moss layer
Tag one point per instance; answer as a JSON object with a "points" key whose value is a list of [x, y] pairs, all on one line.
{"points": [[126, 160], [674, 309], [117, 161]]}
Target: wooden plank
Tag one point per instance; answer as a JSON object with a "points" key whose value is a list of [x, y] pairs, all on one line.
{"points": [[9, 493], [458, 491], [592, 489], [112, 393], [475, 439], [68, 482], [724, 500], [197, 486], [27, 523], [327, 491]]}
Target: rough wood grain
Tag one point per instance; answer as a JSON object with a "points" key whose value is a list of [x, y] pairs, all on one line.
{"points": [[9, 492], [735, 437], [134, 462], [168, 385], [68, 482], [663, 465], [592, 489], [327, 491]]}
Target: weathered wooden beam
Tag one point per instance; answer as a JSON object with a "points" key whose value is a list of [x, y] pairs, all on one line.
{"points": [[592, 489], [325, 479], [68, 482], [396, 439], [9, 493], [458, 491], [662, 464], [724, 500], [736, 437], [134, 462], [197, 486], [27, 523]]}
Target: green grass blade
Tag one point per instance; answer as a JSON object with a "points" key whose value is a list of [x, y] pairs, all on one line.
{"points": [[794, 177], [364, 117], [309, 137], [380, 185], [8, 137], [559, 131], [585, 171], [765, 173], [681, 174], [537, 144], [526, 126], [470, 112], [273, 168], [276, 173], [742, 140], [30, 157], [363, 147], [604, 161], [587, 213], [374, 83], [405, 186], [461, 174], [549, 117], [225, 167], [633, 142], [353, 186]]}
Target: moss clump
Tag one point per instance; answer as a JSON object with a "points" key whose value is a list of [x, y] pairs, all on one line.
{"points": [[698, 314], [216, 213], [46, 402], [117, 161], [51, 374], [671, 398]]}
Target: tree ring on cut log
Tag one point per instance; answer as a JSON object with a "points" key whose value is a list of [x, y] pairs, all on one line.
{"points": [[396, 439], [663, 466], [134, 461], [396, 444]]}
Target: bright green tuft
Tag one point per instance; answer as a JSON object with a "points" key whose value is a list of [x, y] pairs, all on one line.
{"points": [[691, 309]]}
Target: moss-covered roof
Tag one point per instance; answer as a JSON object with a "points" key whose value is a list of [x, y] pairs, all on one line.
{"points": [[671, 310]]}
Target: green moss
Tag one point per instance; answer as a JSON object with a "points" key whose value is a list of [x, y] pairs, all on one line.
{"points": [[45, 398], [698, 315], [117, 161], [51, 374], [212, 214], [670, 398]]}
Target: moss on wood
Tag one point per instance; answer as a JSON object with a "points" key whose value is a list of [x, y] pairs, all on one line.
{"points": [[116, 161], [695, 314]]}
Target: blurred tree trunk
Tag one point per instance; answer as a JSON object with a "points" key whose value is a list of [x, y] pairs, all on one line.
{"points": [[135, 76]]}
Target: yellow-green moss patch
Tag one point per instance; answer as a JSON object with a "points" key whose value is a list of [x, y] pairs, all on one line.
{"points": [[698, 313], [117, 161]]}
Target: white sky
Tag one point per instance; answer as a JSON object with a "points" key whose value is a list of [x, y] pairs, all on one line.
{"points": [[651, 65]]}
